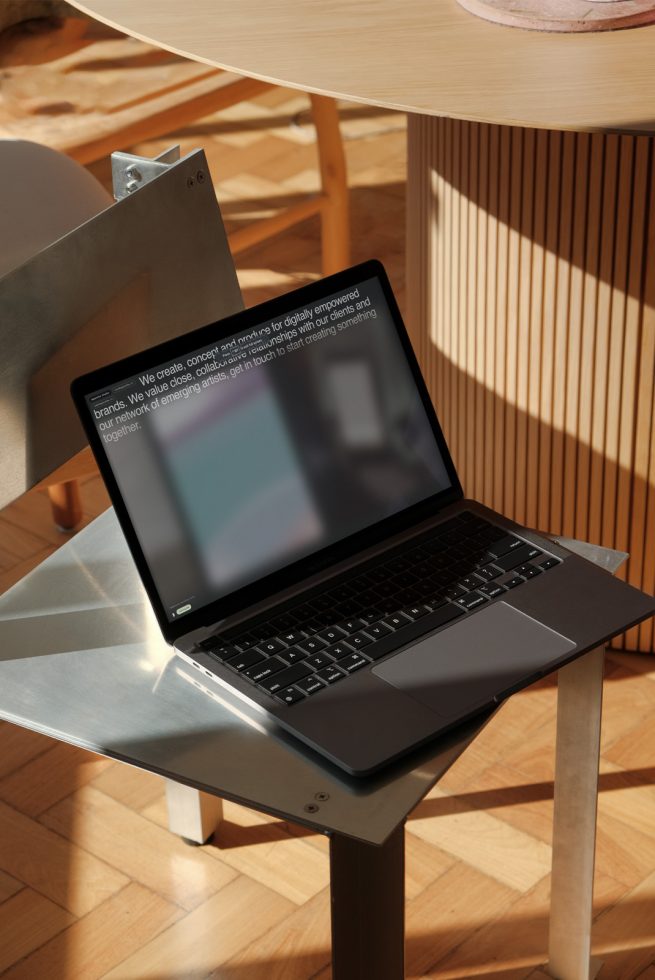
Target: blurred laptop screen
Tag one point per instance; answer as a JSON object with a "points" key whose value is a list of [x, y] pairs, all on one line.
{"points": [[246, 455]]}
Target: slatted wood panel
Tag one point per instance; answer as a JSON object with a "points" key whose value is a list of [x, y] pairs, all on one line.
{"points": [[537, 330]]}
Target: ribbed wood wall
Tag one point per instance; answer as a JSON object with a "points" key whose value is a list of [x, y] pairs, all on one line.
{"points": [[536, 325]]}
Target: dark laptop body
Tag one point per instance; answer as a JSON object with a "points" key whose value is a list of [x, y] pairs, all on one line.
{"points": [[300, 529]]}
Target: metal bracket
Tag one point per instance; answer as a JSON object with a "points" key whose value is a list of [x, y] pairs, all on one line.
{"points": [[130, 172]]}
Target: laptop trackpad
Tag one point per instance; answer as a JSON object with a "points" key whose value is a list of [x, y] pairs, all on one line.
{"points": [[467, 664]]}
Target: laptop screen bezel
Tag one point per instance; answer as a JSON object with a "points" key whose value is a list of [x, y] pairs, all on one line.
{"points": [[275, 582]]}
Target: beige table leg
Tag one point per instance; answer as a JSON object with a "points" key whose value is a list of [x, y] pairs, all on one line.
{"points": [[531, 307], [579, 706], [192, 814]]}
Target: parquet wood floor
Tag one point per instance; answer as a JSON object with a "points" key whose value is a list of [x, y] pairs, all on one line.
{"points": [[91, 883]]}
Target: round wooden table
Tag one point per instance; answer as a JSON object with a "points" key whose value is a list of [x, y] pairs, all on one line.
{"points": [[530, 233]]}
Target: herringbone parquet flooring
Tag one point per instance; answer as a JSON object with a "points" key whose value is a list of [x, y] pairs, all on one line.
{"points": [[91, 883]]}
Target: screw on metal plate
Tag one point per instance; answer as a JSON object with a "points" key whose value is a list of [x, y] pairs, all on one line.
{"points": [[322, 797], [130, 172], [311, 808], [190, 182], [200, 176]]}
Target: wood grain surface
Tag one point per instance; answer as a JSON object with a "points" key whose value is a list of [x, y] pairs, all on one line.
{"points": [[428, 56], [531, 297]]}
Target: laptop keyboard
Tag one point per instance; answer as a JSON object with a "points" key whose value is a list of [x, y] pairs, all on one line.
{"points": [[355, 619]]}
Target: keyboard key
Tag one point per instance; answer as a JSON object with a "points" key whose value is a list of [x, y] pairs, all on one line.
{"points": [[340, 594], [310, 685], [244, 660], [343, 611], [324, 603], [408, 597], [528, 571], [221, 651], [331, 634], [318, 660], [398, 564], [284, 622], [513, 582], [286, 677], [358, 640], [451, 537], [472, 600], [454, 592], [271, 646], [312, 644], [368, 598], [451, 523], [415, 612], [435, 602], [385, 589], [338, 650], [486, 532], [351, 625], [469, 582], [518, 556], [293, 636], [266, 669], [371, 615], [377, 630], [263, 632], [312, 626], [487, 572], [304, 612], [506, 544], [397, 621], [549, 563], [354, 662], [330, 675], [491, 589], [292, 655], [290, 695], [244, 642]]}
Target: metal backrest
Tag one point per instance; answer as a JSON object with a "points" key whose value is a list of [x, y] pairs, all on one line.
{"points": [[151, 266]]}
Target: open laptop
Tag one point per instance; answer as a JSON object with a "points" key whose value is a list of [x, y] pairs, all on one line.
{"points": [[297, 521]]}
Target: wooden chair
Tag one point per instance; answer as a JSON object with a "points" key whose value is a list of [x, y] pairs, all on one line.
{"points": [[151, 93]]}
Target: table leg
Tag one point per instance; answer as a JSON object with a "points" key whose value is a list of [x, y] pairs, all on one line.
{"points": [[368, 908], [192, 814], [579, 705], [530, 297]]}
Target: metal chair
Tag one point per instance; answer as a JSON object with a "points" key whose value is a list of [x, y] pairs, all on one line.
{"points": [[74, 297]]}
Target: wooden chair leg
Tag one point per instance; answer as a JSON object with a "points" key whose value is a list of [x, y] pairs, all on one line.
{"points": [[66, 504], [335, 223]]}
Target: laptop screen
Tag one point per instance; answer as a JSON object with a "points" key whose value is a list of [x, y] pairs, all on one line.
{"points": [[239, 457]]}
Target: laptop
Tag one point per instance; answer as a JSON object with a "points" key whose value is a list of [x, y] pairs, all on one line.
{"points": [[298, 523]]}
